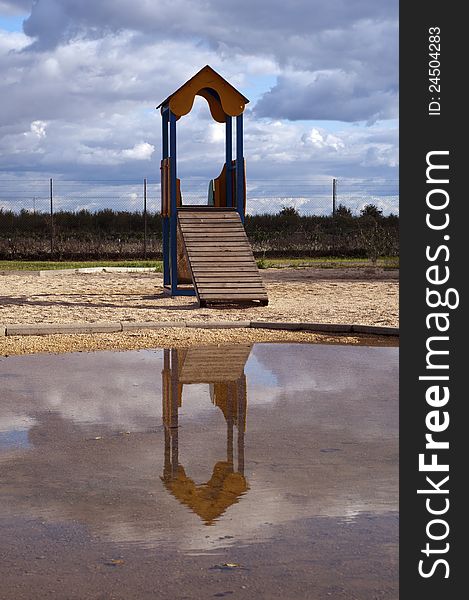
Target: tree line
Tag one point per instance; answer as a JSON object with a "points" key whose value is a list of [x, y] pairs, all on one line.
{"points": [[110, 233]]}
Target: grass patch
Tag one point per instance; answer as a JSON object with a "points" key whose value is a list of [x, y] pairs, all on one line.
{"points": [[326, 262], [25, 265]]}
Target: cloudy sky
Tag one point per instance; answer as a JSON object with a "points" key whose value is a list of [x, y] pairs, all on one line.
{"points": [[80, 82]]}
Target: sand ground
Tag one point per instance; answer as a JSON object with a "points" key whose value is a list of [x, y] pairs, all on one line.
{"points": [[355, 295]]}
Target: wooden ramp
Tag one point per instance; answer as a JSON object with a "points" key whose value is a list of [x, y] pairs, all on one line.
{"points": [[213, 364], [220, 257]]}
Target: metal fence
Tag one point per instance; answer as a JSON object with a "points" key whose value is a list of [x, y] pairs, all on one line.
{"points": [[35, 214], [309, 197]]}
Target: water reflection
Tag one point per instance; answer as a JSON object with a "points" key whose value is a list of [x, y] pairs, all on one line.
{"points": [[103, 439], [223, 371]]}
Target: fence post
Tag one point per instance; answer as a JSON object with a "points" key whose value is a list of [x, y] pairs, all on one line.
{"points": [[145, 218], [51, 218], [334, 195]]}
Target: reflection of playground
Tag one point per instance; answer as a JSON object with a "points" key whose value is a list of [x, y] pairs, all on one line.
{"points": [[223, 370]]}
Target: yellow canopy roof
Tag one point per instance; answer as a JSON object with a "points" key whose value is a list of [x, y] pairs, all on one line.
{"points": [[223, 99]]}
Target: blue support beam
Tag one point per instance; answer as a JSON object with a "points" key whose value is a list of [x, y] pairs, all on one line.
{"points": [[229, 160], [239, 167], [173, 203], [166, 261], [164, 136], [165, 154]]}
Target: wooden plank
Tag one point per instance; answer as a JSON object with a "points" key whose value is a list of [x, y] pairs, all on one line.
{"points": [[204, 253], [213, 271], [205, 223], [233, 253], [212, 232], [217, 259], [213, 267], [231, 285], [228, 272], [226, 235], [219, 284], [202, 207], [213, 258], [225, 243], [223, 239], [196, 259], [212, 247], [221, 234], [204, 276], [219, 240], [215, 225], [232, 297], [228, 223], [201, 284], [223, 282], [209, 217], [204, 292], [230, 292], [222, 278], [207, 276], [215, 231], [202, 262], [210, 222], [246, 284], [243, 248]]}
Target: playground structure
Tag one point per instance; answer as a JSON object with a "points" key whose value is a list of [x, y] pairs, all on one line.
{"points": [[207, 246], [224, 372]]}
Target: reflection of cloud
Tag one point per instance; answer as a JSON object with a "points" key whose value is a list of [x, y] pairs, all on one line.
{"points": [[352, 377], [82, 465]]}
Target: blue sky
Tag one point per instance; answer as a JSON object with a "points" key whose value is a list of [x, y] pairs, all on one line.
{"points": [[80, 81], [12, 23]]}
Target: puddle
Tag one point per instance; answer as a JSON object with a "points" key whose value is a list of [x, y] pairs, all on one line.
{"points": [[209, 457]]}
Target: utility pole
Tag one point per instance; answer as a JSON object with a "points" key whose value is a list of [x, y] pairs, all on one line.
{"points": [[51, 218], [145, 218], [334, 195]]}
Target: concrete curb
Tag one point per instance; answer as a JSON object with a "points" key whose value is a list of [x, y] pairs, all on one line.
{"points": [[375, 329], [134, 325], [90, 270], [219, 324], [70, 328], [117, 326], [275, 325], [327, 327]]}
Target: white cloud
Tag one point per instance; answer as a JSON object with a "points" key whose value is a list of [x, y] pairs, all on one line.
{"points": [[79, 100], [142, 151], [39, 128]]}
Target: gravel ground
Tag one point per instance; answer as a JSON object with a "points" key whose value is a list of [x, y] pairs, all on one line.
{"points": [[360, 296], [173, 338]]}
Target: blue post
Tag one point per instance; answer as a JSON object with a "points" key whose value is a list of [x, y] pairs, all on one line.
{"points": [[239, 167], [164, 137], [228, 160], [173, 217], [166, 276]]}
